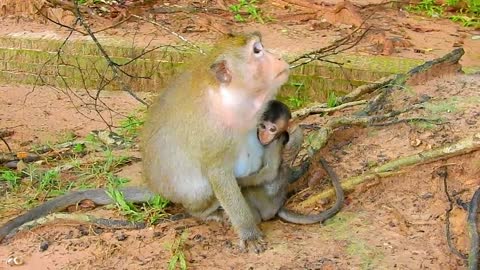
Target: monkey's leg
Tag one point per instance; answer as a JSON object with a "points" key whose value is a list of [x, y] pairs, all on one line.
{"points": [[231, 199], [211, 212], [269, 198], [250, 195], [267, 207]]}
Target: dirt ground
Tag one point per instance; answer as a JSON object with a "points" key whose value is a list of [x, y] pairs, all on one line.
{"points": [[293, 29], [392, 223]]}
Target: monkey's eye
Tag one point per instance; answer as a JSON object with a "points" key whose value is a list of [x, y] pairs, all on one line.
{"points": [[262, 126], [258, 49], [273, 129]]}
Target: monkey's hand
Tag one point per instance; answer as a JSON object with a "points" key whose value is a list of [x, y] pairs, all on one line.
{"points": [[252, 240], [272, 159], [266, 174]]}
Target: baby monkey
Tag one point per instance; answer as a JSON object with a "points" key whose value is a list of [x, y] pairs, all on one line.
{"points": [[277, 144]]}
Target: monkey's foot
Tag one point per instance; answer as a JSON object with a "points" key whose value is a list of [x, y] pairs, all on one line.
{"points": [[257, 245], [252, 240], [217, 216]]}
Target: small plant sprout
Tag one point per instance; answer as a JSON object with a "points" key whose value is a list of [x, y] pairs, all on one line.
{"points": [[246, 7], [79, 148], [49, 182], [150, 212], [178, 256], [298, 99], [331, 99], [12, 178], [130, 126]]}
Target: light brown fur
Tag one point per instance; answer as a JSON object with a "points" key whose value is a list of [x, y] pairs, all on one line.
{"points": [[193, 130]]}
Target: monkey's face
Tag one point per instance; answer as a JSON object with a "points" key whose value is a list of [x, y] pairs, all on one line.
{"points": [[248, 77], [264, 69], [269, 131]]}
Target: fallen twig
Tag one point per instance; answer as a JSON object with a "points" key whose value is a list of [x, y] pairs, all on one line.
{"points": [[3, 134], [434, 68], [35, 154], [338, 46], [83, 218], [322, 108], [6, 144], [170, 31], [461, 147]]}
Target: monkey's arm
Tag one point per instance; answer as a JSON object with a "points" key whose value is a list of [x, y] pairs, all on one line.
{"points": [[293, 146], [272, 159], [98, 196], [228, 193], [290, 152], [293, 217]]}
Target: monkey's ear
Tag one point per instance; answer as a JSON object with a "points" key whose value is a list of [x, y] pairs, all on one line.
{"points": [[221, 71]]}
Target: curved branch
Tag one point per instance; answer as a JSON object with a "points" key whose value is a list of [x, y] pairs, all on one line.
{"points": [[393, 167], [322, 108]]}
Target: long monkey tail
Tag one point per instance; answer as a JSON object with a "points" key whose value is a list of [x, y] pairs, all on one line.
{"points": [[296, 218], [98, 196]]}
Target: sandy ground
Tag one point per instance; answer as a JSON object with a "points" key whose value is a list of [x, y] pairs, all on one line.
{"points": [[394, 31], [392, 223]]}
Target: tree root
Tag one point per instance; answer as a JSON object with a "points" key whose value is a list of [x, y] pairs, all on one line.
{"points": [[443, 173], [446, 64], [81, 218], [461, 147], [322, 108], [367, 89], [318, 139], [387, 84], [112, 224], [472, 231]]}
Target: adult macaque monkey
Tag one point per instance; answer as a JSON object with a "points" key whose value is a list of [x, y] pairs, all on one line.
{"points": [[192, 135], [194, 130]]}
